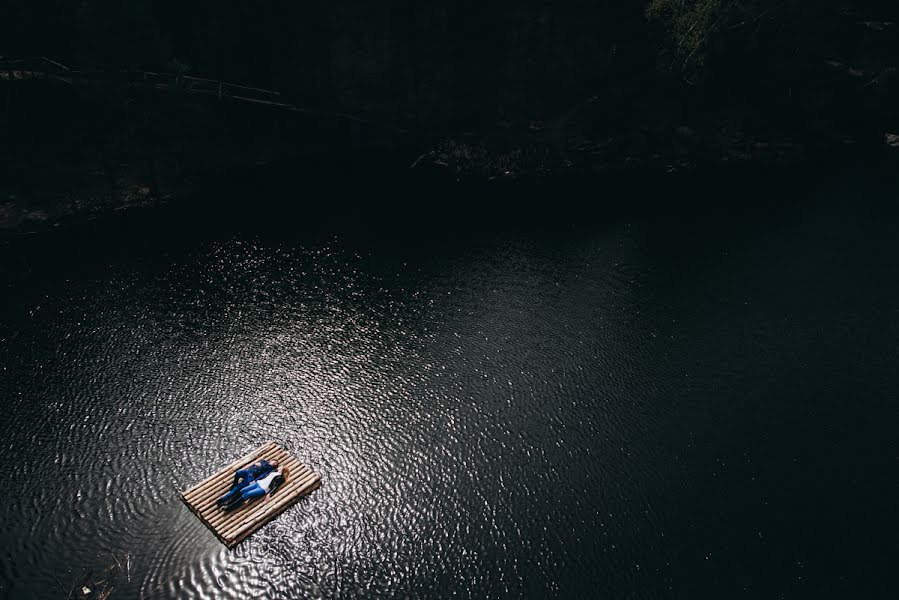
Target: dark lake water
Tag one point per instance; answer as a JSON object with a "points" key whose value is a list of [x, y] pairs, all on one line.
{"points": [[674, 400]]}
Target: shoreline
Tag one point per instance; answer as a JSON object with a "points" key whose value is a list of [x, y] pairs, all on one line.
{"points": [[268, 196]]}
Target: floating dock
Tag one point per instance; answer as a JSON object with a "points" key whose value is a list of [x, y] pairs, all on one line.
{"points": [[231, 528]]}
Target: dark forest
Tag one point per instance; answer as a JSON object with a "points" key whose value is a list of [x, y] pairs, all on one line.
{"points": [[474, 89]]}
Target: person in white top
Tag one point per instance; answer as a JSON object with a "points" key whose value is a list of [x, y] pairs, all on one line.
{"points": [[246, 476], [258, 488]]}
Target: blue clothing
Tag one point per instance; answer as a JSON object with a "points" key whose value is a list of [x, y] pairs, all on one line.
{"points": [[254, 489], [250, 490], [246, 477], [251, 473], [232, 494]]}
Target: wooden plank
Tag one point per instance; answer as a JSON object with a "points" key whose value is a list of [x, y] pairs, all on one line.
{"points": [[257, 518], [208, 509], [223, 521], [239, 520], [223, 481], [220, 518], [208, 502], [243, 534], [228, 471], [243, 461], [207, 499], [250, 456], [233, 527]]}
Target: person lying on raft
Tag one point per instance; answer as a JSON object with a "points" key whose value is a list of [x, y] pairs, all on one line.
{"points": [[258, 469], [266, 484], [246, 476]]}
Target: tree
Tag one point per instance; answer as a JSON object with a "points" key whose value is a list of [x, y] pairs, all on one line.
{"points": [[694, 25]]}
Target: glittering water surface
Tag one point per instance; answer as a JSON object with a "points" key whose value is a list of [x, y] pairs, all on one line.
{"points": [[637, 408]]}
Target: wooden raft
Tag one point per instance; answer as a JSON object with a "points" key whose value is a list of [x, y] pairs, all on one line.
{"points": [[231, 528]]}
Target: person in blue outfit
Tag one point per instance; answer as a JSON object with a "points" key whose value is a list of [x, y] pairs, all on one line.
{"points": [[246, 476], [256, 489]]}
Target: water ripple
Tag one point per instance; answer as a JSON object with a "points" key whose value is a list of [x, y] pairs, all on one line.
{"points": [[517, 417]]}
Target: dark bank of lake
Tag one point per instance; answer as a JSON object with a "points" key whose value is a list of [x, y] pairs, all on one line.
{"points": [[506, 392]]}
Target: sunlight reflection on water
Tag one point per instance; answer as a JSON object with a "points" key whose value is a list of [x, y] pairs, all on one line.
{"points": [[514, 416]]}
